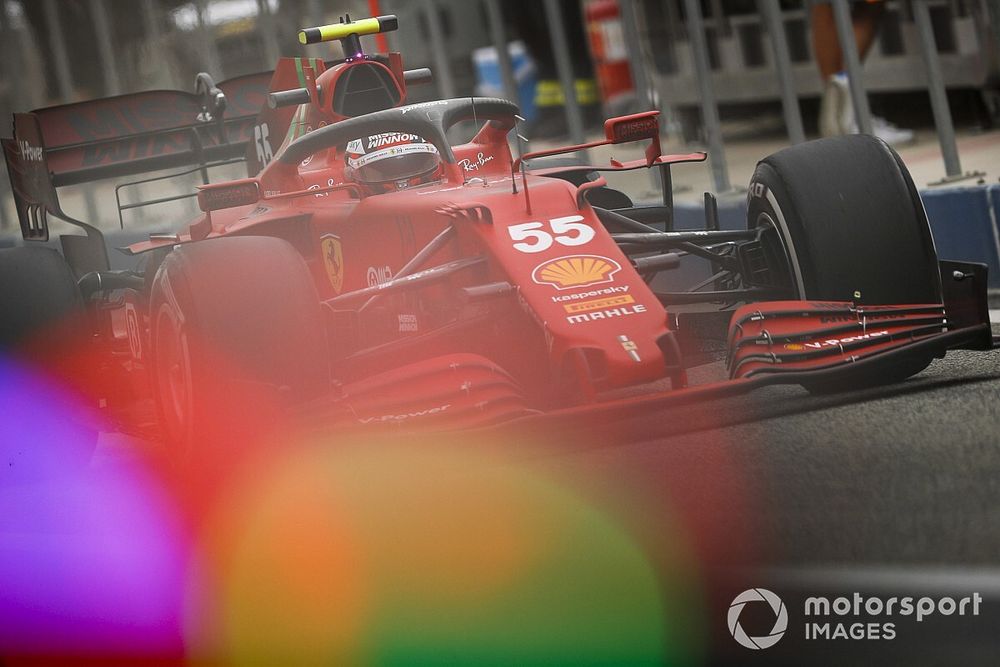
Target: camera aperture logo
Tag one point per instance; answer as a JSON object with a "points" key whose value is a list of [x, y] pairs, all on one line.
{"points": [[780, 618], [847, 617]]}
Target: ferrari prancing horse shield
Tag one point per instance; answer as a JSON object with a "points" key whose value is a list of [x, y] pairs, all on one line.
{"points": [[333, 259]]}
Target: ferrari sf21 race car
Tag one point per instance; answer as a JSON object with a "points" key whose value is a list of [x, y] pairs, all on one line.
{"points": [[371, 272]]}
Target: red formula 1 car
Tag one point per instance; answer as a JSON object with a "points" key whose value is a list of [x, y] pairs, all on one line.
{"points": [[371, 272]]}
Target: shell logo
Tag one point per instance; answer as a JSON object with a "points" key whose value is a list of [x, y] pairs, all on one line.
{"points": [[576, 271]]}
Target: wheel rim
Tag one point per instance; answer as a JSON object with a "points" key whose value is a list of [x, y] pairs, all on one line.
{"points": [[776, 252], [173, 372]]}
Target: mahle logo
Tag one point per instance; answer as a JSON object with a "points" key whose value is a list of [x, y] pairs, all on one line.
{"points": [[780, 618]]}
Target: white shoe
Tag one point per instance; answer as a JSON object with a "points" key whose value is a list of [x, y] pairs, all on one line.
{"points": [[836, 111], [836, 115], [889, 133]]}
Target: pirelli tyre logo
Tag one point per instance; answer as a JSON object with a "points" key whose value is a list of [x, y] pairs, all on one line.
{"points": [[598, 304], [575, 271], [756, 190]]}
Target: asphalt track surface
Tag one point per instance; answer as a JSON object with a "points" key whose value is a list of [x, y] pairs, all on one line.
{"points": [[906, 474], [889, 491]]}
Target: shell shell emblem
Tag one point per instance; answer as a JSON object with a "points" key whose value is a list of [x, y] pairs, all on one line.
{"points": [[333, 260], [576, 271]]}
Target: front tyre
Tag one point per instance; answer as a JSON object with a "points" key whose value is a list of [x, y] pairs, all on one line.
{"points": [[845, 215], [232, 321]]}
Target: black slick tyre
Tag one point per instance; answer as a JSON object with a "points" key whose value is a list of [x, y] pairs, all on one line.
{"points": [[236, 328], [845, 214], [39, 294]]}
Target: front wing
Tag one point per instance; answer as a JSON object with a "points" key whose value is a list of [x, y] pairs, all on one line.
{"points": [[816, 344]]}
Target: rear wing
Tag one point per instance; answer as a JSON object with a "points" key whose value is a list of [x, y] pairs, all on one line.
{"points": [[129, 134]]}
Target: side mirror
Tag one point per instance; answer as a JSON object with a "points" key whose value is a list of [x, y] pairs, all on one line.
{"points": [[416, 77], [623, 129], [286, 98], [228, 195], [618, 130]]}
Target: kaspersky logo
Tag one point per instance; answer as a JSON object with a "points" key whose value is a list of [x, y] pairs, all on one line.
{"points": [[780, 618]]}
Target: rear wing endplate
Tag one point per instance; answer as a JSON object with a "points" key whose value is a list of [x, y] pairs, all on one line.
{"points": [[129, 134]]}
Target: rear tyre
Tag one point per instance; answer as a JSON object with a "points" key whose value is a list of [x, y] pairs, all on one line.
{"points": [[39, 297], [846, 215], [43, 324], [237, 332]]}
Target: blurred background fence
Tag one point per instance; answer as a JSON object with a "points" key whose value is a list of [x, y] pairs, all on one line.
{"points": [[723, 71]]}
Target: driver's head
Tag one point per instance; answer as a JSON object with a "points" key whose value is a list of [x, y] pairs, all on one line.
{"points": [[392, 161]]}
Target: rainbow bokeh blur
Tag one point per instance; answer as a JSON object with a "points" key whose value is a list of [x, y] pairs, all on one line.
{"points": [[422, 552], [313, 550], [93, 559]]}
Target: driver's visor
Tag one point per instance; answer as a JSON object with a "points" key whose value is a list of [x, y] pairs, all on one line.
{"points": [[395, 163]]}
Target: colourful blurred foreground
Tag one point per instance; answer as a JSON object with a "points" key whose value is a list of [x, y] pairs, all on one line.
{"points": [[318, 551]]}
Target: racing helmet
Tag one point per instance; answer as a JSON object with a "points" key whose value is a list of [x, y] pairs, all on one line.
{"points": [[392, 161]]}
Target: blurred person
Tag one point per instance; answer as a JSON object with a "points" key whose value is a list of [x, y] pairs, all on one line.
{"points": [[530, 24], [836, 112]]}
